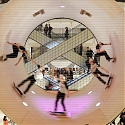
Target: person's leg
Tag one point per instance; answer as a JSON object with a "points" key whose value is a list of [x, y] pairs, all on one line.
{"points": [[32, 81], [96, 59], [29, 86], [100, 79], [14, 54], [57, 99], [106, 55], [100, 73], [23, 82], [62, 102]]}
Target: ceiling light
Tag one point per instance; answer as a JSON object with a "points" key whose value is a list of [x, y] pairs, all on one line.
{"points": [[33, 92], [25, 104], [62, 6], [90, 92], [98, 104]]}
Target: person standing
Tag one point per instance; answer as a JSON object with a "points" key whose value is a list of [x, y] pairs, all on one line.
{"points": [[46, 29], [5, 121], [63, 91], [66, 33], [49, 31], [91, 53]]}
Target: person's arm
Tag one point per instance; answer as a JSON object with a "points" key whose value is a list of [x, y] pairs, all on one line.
{"points": [[18, 61], [31, 59], [13, 44], [107, 44]]}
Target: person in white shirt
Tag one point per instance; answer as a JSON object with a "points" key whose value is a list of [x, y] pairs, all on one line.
{"points": [[63, 91], [94, 70]]}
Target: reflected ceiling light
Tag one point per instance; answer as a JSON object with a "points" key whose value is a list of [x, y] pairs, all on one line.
{"points": [[25, 104], [98, 104], [33, 92], [62, 6], [90, 92], [82, 12], [39, 12]]}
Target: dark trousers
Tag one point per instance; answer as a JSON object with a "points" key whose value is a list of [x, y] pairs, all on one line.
{"points": [[14, 54], [32, 81], [102, 74], [60, 96], [103, 54], [45, 33], [49, 34]]}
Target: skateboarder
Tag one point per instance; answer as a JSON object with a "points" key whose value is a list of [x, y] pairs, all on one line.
{"points": [[94, 70], [63, 91], [100, 52], [16, 49], [32, 78]]}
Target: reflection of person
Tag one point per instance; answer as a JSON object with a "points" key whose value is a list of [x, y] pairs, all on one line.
{"points": [[62, 92], [88, 65], [16, 49], [100, 52], [94, 70], [46, 29], [80, 49], [49, 31], [39, 73], [66, 32], [89, 53], [5, 121]]}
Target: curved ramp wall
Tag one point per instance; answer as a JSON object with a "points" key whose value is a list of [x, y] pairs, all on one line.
{"points": [[106, 23]]}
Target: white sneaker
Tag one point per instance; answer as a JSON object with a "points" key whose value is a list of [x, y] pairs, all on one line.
{"points": [[4, 57]]}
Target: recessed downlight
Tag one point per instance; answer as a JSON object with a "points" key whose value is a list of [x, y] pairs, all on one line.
{"points": [[33, 92], [98, 104], [90, 92], [62, 6], [25, 103]]}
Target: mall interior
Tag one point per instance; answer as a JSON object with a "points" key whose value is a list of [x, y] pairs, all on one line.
{"points": [[57, 36]]}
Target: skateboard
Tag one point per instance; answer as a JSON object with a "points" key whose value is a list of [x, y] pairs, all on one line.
{"points": [[17, 89], [109, 81], [67, 114]]}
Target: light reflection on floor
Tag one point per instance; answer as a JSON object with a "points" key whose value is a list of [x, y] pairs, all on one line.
{"points": [[76, 105]]}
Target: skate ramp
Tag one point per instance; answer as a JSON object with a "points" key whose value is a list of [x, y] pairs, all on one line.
{"points": [[106, 23]]}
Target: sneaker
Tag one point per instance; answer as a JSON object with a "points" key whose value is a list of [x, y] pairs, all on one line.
{"points": [[4, 57]]}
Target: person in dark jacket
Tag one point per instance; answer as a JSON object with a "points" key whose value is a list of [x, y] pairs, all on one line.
{"points": [[66, 33], [49, 31]]}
